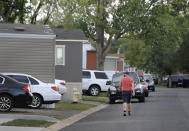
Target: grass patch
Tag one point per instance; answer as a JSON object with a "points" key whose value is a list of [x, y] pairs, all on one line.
{"points": [[70, 106], [58, 117], [161, 86], [95, 98], [103, 94], [28, 123]]}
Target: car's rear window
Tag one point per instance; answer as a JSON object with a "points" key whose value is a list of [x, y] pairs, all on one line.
{"points": [[148, 77], [20, 78], [100, 75], [33, 81], [86, 74]]}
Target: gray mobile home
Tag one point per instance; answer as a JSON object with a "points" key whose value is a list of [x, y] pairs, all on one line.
{"points": [[68, 58], [28, 49]]}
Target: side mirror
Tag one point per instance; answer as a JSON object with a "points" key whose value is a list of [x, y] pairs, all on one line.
{"points": [[108, 82]]}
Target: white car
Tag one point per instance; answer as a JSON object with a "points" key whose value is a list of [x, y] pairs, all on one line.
{"points": [[61, 86], [43, 93], [94, 81]]}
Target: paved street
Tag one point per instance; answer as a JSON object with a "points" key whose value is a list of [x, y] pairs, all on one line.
{"points": [[164, 110]]}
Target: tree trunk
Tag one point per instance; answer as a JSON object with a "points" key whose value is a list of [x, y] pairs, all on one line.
{"points": [[100, 36]]}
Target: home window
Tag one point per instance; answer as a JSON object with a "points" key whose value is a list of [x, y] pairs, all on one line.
{"points": [[60, 55]]}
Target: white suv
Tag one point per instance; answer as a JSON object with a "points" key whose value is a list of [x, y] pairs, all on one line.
{"points": [[94, 81]]}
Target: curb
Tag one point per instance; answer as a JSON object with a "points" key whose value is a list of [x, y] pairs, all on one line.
{"points": [[71, 120]]}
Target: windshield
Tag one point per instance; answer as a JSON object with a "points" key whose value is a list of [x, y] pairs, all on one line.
{"points": [[148, 77], [117, 77]]}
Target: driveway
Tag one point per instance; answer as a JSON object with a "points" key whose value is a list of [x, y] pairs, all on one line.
{"points": [[164, 110]]}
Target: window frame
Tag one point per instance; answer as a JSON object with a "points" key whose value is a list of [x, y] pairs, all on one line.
{"points": [[63, 54]]}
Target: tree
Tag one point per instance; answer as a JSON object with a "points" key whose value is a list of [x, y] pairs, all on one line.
{"points": [[162, 38], [105, 21], [41, 11], [13, 10]]}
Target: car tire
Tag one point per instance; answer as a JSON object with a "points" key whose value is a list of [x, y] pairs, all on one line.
{"points": [[37, 101], [6, 103], [111, 101], [94, 90], [142, 99], [153, 89]]}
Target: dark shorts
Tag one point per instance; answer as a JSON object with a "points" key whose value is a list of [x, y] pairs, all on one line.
{"points": [[127, 95]]}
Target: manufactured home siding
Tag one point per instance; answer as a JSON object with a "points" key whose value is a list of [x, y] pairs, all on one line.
{"points": [[31, 56], [72, 70]]}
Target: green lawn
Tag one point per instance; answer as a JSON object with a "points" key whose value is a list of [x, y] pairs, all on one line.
{"points": [[70, 106], [103, 94], [28, 123], [95, 98]]}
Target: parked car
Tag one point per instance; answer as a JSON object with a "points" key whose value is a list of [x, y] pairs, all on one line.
{"points": [[181, 80], [115, 93], [43, 93], [145, 85], [149, 79], [13, 94], [61, 86], [94, 81]]}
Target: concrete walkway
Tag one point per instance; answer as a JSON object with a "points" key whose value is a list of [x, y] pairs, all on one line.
{"points": [[70, 116], [13, 128], [9, 117]]}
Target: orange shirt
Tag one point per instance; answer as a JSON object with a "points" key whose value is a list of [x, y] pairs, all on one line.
{"points": [[126, 83]]}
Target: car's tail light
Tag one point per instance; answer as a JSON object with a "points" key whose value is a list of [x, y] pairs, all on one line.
{"points": [[27, 89], [62, 83], [54, 88]]}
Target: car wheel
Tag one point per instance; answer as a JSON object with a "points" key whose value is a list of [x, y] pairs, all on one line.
{"points": [[6, 103], [111, 101], [37, 101], [142, 99], [153, 89], [94, 91]]}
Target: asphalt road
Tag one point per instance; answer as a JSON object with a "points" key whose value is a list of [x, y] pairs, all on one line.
{"points": [[164, 110]]}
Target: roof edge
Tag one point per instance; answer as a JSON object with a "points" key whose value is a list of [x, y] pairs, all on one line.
{"points": [[34, 36]]}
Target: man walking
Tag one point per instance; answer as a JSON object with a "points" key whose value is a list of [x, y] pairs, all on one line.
{"points": [[127, 88]]}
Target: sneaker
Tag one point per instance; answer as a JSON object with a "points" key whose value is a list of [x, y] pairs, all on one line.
{"points": [[124, 113], [129, 113]]}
